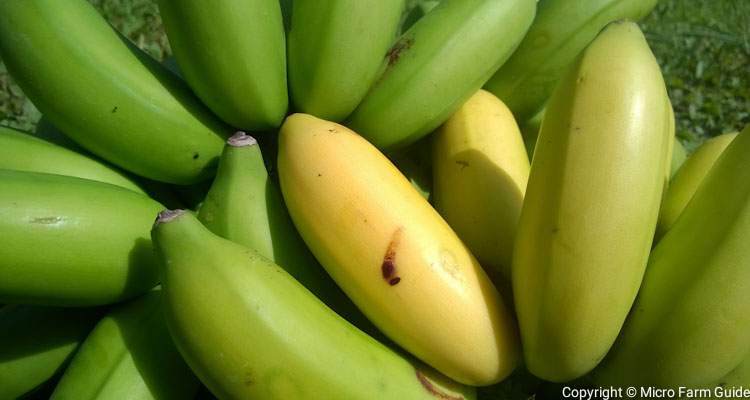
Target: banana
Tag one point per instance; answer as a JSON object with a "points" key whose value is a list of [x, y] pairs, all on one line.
{"points": [[245, 206], [415, 162], [36, 342], [688, 179], [679, 156], [250, 331], [22, 152], [561, 30], [105, 94], [690, 324], [417, 11], [392, 253], [530, 132], [73, 242], [480, 171], [335, 51], [433, 68], [128, 355], [245, 82], [591, 205]]}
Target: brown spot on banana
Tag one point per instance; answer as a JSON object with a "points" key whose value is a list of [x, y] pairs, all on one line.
{"points": [[388, 268]]}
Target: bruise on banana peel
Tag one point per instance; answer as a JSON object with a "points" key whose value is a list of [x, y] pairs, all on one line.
{"points": [[389, 261]]}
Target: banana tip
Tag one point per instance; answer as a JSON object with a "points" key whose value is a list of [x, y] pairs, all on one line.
{"points": [[241, 139], [167, 216]]}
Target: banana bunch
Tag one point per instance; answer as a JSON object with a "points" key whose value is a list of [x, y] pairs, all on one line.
{"points": [[380, 231]]}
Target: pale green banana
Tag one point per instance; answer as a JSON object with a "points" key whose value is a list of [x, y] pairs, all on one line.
{"points": [[128, 355], [561, 30], [73, 242], [250, 331], [688, 179], [690, 324], [591, 205], [530, 132], [336, 48], [22, 152], [433, 68], [233, 55], [246, 207], [112, 99], [36, 342], [679, 156]]}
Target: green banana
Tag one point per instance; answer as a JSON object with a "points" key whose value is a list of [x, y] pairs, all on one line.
{"points": [[433, 68], [73, 242], [480, 171], [690, 324], [739, 376], [688, 179], [417, 11], [335, 50], [591, 204], [126, 108], [250, 331], [129, 355], [530, 132], [679, 156], [245, 82], [561, 30], [23, 152], [36, 342], [246, 207]]}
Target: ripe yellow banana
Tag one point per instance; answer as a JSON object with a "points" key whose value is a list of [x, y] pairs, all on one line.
{"points": [[591, 204], [689, 177], [392, 253], [480, 171], [690, 324], [251, 331]]}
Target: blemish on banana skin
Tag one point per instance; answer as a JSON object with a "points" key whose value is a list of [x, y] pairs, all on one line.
{"points": [[430, 387], [46, 220], [401, 46], [388, 268]]}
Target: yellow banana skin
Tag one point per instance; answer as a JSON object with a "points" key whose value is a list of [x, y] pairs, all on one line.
{"points": [[688, 179], [591, 205], [22, 152], [128, 355], [690, 325], [250, 331], [335, 51], [36, 342], [561, 30], [480, 172], [392, 253], [125, 108], [245, 82], [73, 242]]}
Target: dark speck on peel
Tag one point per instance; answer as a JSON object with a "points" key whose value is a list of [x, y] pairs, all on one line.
{"points": [[388, 268], [394, 53], [433, 390], [195, 156], [114, 110]]}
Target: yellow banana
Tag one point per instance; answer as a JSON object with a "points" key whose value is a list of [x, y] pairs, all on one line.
{"points": [[392, 253]]}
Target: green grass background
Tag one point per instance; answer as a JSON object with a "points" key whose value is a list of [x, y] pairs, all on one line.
{"points": [[703, 47]]}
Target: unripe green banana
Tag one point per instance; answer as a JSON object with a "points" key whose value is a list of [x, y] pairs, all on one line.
{"points": [[591, 204], [690, 324], [121, 105], [336, 48], [244, 82], [392, 253], [36, 342], [250, 331], [480, 171], [128, 355], [530, 132], [246, 207], [688, 179], [73, 242], [561, 30], [679, 156], [433, 68], [23, 152]]}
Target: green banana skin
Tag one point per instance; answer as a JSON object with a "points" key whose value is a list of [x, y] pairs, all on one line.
{"points": [[591, 205], [690, 324], [244, 83], [679, 156], [415, 162], [530, 132], [336, 48], [127, 108], [561, 30], [739, 376], [22, 152], [129, 355], [73, 242], [435, 66], [246, 207], [250, 331], [688, 179], [36, 343]]}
